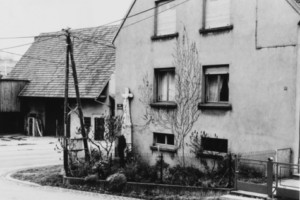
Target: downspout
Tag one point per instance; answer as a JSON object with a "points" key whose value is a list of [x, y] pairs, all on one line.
{"points": [[298, 95]]}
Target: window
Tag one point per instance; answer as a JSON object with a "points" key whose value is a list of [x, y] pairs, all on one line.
{"points": [[216, 15], [87, 123], [216, 84], [164, 139], [165, 85], [165, 18], [99, 128]]}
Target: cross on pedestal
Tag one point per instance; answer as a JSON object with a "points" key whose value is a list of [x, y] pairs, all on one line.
{"points": [[126, 124]]}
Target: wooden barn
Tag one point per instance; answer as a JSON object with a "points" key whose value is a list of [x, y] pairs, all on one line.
{"points": [[41, 99], [11, 114]]}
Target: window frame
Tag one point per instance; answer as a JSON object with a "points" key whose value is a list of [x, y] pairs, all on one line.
{"points": [[166, 139], [205, 104], [206, 30], [87, 125], [93, 126], [156, 102], [157, 36]]}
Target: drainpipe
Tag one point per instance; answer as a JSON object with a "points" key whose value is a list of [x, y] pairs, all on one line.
{"points": [[298, 96]]}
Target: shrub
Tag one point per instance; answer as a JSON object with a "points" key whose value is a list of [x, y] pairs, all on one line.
{"points": [[139, 171], [116, 182], [188, 176]]}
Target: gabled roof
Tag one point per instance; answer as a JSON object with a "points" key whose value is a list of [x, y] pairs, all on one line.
{"points": [[44, 63]]}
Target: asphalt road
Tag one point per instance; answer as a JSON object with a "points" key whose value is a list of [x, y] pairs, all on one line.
{"points": [[20, 153]]}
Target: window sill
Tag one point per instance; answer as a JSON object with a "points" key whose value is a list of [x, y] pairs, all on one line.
{"points": [[204, 31], [164, 149], [164, 37], [216, 106], [166, 104]]}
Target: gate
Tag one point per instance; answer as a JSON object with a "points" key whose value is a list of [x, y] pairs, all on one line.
{"points": [[267, 177], [252, 175]]}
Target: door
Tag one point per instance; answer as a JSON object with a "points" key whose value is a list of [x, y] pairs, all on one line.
{"points": [[54, 119], [99, 128]]}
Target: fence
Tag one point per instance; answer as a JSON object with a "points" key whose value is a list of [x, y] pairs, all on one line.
{"points": [[266, 177]]}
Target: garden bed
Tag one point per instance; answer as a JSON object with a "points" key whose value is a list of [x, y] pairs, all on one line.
{"points": [[151, 188], [51, 176]]}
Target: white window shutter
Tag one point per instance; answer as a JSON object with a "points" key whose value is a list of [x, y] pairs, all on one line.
{"points": [[166, 18], [217, 13]]}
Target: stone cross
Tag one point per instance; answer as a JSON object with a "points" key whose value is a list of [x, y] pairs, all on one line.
{"points": [[126, 124]]}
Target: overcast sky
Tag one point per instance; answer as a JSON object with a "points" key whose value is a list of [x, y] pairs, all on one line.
{"points": [[32, 17]]}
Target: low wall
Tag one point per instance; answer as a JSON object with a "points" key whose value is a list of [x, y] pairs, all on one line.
{"points": [[152, 188]]}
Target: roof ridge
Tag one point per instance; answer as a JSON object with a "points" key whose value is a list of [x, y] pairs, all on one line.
{"points": [[48, 34]]}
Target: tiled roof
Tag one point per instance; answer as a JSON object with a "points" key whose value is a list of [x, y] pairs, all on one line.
{"points": [[44, 63]]}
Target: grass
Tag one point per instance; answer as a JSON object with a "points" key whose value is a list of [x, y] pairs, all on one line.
{"points": [[52, 176]]}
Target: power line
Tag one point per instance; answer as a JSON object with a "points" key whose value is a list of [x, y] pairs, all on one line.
{"points": [[139, 20], [136, 14], [154, 14], [12, 38], [32, 57], [94, 42], [25, 37], [21, 45], [112, 22]]}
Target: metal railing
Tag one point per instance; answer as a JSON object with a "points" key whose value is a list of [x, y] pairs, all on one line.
{"points": [[284, 172], [272, 175]]}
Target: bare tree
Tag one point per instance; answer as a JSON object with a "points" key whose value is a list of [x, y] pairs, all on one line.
{"points": [[113, 125], [187, 95]]}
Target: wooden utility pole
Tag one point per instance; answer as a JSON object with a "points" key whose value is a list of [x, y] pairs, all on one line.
{"points": [[79, 107], [66, 115]]}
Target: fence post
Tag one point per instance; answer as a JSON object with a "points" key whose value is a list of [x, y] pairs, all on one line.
{"points": [[270, 176], [66, 156], [161, 167], [230, 172], [236, 172]]}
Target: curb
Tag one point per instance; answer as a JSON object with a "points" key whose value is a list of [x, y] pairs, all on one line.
{"points": [[8, 175], [10, 178]]}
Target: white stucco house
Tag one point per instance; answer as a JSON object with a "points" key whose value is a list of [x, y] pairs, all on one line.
{"points": [[250, 72]]}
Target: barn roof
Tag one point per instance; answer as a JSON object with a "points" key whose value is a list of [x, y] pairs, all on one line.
{"points": [[44, 63]]}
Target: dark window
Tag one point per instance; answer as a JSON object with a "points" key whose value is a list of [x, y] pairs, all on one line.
{"points": [[216, 84], [87, 122], [162, 138], [99, 129], [165, 85], [214, 144]]}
